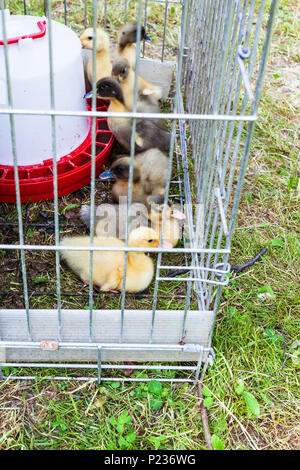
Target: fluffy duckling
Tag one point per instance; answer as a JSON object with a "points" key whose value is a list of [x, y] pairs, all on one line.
{"points": [[110, 219], [103, 60], [108, 266], [149, 175], [172, 228], [126, 41], [149, 133], [148, 94]]}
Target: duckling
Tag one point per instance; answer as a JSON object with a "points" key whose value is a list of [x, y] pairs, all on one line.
{"points": [[172, 229], [120, 170], [148, 94], [149, 175], [103, 60], [149, 134], [126, 38], [110, 219], [108, 266]]}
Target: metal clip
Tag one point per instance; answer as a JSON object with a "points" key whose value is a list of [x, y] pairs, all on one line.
{"points": [[244, 53], [211, 357]]}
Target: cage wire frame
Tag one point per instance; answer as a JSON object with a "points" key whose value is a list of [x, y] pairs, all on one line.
{"points": [[218, 84]]}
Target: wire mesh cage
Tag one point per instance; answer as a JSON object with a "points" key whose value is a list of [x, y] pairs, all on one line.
{"points": [[48, 319]]}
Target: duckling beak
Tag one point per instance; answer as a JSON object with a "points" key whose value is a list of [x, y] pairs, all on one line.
{"points": [[177, 214], [146, 37], [89, 94], [107, 175]]}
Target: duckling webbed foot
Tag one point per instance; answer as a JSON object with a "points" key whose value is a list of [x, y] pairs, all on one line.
{"points": [[113, 291]]}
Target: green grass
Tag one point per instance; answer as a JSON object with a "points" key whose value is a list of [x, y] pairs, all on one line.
{"points": [[256, 329]]}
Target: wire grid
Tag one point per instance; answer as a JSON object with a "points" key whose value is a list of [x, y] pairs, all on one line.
{"points": [[221, 75]]}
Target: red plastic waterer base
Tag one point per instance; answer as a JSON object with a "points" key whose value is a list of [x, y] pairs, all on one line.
{"points": [[73, 170]]}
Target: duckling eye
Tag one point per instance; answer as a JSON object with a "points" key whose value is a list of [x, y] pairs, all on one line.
{"points": [[150, 241], [90, 38]]}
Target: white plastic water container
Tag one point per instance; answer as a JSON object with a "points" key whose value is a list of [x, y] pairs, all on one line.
{"points": [[29, 68]]}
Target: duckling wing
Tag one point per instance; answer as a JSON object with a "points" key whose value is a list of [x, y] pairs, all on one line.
{"points": [[149, 89], [152, 134], [149, 133], [148, 104], [154, 165], [121, 128]]}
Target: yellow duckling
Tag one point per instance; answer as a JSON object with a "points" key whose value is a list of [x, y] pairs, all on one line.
{"points": [[172, 227], [148, 93], [103, 60], [108, 266]]}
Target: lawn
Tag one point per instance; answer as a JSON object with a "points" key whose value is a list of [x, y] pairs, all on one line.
{"points": [[252, 390]]}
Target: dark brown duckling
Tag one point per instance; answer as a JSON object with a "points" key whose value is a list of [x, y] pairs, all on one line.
{"points": [[149, 175], [127, 35], [149, 134]]}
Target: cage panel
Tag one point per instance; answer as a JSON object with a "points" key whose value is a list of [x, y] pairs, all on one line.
{"points": [[220, 51]]}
